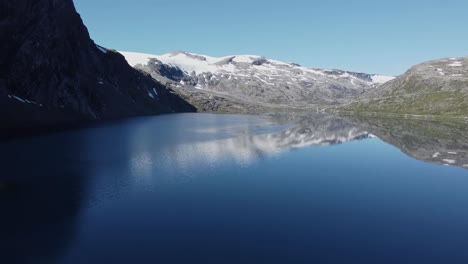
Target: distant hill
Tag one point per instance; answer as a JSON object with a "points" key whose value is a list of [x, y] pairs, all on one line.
{"points": [[438, 87]]}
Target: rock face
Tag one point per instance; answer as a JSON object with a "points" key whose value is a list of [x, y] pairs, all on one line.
{"points": [[437, 87], [249, 81], [51, 71]]}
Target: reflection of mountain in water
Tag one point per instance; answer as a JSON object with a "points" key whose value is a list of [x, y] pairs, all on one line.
{"points": [[314, 132], [436, 142], [245, 146], [46, 182]]}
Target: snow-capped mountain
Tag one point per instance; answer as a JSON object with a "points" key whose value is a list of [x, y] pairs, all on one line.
{"points": [[256, 79]]}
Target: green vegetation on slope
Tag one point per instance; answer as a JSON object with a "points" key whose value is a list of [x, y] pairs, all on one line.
{"points": [[436, 103]]}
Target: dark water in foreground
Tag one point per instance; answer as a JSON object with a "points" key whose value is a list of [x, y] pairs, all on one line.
{"points": [[200, 188]]}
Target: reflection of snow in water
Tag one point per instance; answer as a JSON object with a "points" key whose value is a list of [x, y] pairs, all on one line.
{"points": [[449, 161], [243, 148], [447, 157]]}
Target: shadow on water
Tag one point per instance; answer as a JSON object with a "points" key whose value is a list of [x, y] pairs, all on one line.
{"points": [[46, 182], [41, 191]]}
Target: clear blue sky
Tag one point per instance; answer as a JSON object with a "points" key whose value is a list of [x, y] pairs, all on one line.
{"points": [[370, 36]]}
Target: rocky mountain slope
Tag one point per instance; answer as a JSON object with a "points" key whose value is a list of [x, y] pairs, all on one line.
{"points": [[52, 72], [438, 87], [249, 80]]}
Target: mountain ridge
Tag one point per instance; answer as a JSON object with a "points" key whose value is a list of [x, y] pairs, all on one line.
{"points": [[255, 80], [135, 58]]}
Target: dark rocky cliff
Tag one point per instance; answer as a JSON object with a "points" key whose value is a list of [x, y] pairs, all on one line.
{"points": [[52, 72]]}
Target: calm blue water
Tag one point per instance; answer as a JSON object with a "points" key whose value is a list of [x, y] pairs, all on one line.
{"points": [[201, 188]]}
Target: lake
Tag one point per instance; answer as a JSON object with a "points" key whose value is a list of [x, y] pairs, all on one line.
{"points": [[206, 188]]}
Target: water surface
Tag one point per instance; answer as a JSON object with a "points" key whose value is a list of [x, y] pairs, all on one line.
{"points": [[202, 188]]}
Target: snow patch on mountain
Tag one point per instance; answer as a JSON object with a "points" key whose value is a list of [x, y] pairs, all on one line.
{"points": [[134, 58], [381, 79], [102, 49], [456, 64]]}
